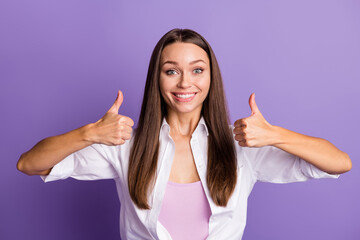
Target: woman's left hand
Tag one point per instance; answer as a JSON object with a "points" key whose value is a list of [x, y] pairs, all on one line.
{"points": [[253, 131]]}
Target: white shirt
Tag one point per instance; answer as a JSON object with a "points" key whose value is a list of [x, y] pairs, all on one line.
{"points": [[267, 164]]}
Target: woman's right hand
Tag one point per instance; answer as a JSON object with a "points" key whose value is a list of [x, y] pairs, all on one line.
{"points": [[112, 129]]}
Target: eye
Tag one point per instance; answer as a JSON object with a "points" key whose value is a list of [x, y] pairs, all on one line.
{"points": [[170, 72], [198, 70]]}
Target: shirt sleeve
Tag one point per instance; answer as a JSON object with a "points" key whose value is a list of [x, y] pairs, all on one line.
{"points": [[90, 163], [272, 164]]}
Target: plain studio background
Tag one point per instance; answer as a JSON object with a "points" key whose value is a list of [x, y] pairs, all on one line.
{"points": [[62, 62]]}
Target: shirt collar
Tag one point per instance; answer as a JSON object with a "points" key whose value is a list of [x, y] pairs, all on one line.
{"points": [[201, 126]]}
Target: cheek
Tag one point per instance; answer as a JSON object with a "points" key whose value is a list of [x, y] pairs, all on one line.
{"points": [[165, 87], [204, 84], [162, 84]]}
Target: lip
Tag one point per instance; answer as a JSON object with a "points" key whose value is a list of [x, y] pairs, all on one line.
{"points": [[183, 99]]}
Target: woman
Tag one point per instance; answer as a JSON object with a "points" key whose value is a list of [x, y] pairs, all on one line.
{"points": [[185, 173]]}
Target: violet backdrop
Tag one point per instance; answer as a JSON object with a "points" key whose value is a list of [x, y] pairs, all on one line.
{"points": [[62, 62]]}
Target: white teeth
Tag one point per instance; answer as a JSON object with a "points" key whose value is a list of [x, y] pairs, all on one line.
{"points": [[184, 96]]}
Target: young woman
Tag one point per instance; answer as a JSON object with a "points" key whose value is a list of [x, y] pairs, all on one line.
{"points": [[184, 173]]}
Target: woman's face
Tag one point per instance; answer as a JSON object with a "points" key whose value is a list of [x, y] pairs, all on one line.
{"points": [[184, 77]]}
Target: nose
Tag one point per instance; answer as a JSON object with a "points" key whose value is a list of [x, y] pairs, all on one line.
{"points": [[184, 81]]}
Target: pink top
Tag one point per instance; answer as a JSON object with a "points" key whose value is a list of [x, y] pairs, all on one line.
{"points": [[185, 211]]}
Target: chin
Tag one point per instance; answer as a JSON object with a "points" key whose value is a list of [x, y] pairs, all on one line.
{"points": [[186, 109]]}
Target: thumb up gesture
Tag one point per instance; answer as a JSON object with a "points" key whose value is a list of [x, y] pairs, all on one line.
{"points": [[113, 129], [253, 131]]}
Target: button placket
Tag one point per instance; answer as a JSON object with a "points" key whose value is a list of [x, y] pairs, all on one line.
{"points": [[160, 185], [200, 164], [194, 143]]}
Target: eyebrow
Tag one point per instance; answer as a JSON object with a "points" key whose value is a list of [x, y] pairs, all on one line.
{"points": [[191, 63]]}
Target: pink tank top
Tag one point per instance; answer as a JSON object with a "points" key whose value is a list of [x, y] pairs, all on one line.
{"points": [[185, 211]]}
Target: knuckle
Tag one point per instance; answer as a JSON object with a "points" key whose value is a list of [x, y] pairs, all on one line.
{"points": [[131, 122], [125, 137], [239, 122], [118, 124], [118, 135], [238, 130], [242, 143]]}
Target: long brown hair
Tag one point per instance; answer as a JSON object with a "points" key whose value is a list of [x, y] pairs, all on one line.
{"points": [[222, 166]]}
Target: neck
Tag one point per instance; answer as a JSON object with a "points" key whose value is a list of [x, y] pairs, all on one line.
{"points": [[182, 124]]}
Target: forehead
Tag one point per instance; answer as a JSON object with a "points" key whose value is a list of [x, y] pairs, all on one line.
{"points": [[183, 53]]}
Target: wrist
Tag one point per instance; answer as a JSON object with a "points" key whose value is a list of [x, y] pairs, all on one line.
{"points": [[277, 136], [88, 133]]}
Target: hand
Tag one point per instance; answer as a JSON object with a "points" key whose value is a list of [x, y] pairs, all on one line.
{"points": [[113, 129], [253, 131]]}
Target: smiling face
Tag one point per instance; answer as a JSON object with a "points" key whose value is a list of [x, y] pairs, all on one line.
{"points": [[184, 77]]}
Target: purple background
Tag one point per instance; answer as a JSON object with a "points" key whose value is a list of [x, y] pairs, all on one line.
{"points": [[62, 62]]}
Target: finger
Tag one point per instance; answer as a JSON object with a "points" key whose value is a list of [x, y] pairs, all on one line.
{"points": [[242, 143], [239, 137], [254, 108], [240, 123], [127, 129], [128, 121], [239, 130], [119, 99], [120, 142], [126, 136]]}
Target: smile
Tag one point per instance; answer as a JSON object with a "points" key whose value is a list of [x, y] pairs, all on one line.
{"points": [[184, 97]]}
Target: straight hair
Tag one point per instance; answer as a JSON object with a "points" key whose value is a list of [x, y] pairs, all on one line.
{"points": [[221, 172]]}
